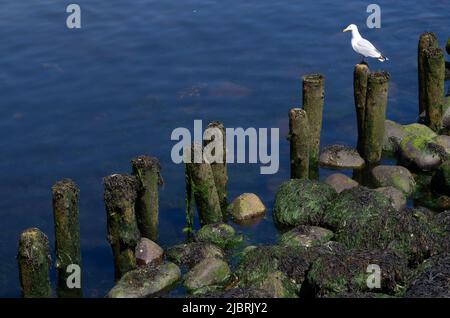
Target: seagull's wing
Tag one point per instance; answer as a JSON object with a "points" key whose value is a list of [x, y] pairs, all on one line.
{"points": [[367, 49]]}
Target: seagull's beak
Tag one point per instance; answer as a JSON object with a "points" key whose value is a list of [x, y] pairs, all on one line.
{"points": [[345, 30]]}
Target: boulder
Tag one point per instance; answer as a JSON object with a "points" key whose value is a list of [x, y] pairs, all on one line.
{"points": [[209, 273], [147, 252], [300, 202], [247, 206], [306, 236], [193, 253], [441, 179], [146, 281], [394, 176], [397, 197], [340, 156], [220, 234], [340, 182], [393, 135]]}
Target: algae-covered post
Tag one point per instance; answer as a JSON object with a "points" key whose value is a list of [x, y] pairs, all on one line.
{"points": [[313, 101], [434, 87], [147, 171], [375, 116], [299, 138], [219, 169], [67, 235], [123, 233], [427, 40], [360, 77], [34, 264], [200, 182]]}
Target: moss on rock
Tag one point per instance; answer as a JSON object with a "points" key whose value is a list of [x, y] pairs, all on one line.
{"points": [[220, 234], [210, 273], [193, 253], [306, 236]]}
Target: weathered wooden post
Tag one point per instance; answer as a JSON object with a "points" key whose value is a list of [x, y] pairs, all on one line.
{"points": [[313, 101], [375, 115], [426, 40], [299, 137], [123, 233], [360, 77], [447, 47], [147, 171], [200, 182], [220, 169], [67, 236], [34, 264], [434, 65]]}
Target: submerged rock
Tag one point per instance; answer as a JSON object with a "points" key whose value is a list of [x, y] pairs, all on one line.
{"points": [[247, 206], [340, 156], [301, 202], [146, 281], [395, 176], [393, 135], [441, 179], [306, 236], [396, 196], [432, 279], [193, 253], [148, 252], [220, 234], [209, 273], [340, 182]]}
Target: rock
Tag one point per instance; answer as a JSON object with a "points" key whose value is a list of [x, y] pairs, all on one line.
{"points": [[394, 176], [393, 135], [441, 179], [396, 196], [300, 202], [432, 279], [435, 201], [417, 148], [443, 141], [209, 272], [339, 156], [220, 234], [148, 252], [193, 253], [342, 271], [238, 293], [306, 236], [263, 266], [246, 207], [146, 281], [340, 182]]}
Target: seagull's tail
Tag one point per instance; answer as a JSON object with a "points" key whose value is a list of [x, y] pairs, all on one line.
{"points": [[383, 58]]}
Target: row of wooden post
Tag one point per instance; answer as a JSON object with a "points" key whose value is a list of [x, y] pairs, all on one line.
{"points": [[132, 212]]}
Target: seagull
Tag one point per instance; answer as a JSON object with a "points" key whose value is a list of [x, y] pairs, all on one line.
{"points": [[362, 46]]}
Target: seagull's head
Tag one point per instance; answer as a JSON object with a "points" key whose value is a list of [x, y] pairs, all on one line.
{"points": [[351, 27]]}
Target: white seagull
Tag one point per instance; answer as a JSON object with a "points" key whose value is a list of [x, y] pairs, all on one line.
{"points": [[362, 46]]}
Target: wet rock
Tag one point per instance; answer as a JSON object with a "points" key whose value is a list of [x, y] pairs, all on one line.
{"points": [[306, 236], [247, 206], [148, 252], [342, 272], [393, 135], [442, 223], [443, 141], [193, 253], [340, 182], [300, 202], [340, 156], [210, 272], [146, 281], [396, 196], [220, 234], [281, 268], [238, 293], [395, 176], [441, 179], [435, 201], [432, 279]]}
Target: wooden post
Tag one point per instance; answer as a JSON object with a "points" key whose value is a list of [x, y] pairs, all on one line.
{"points": [[447, 47], [220, 169], [360, 77], [434, 64], [427, 40], [147, 171], [123, 233], [34, 264], [299, 138], [313, 101], [202, 185], [375, 115], [67, 235]]}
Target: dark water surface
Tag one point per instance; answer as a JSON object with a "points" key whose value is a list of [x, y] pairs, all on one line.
{"points": [[81, 103]]}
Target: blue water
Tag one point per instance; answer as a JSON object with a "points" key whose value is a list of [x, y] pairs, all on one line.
{"points": [[81, 103]]}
